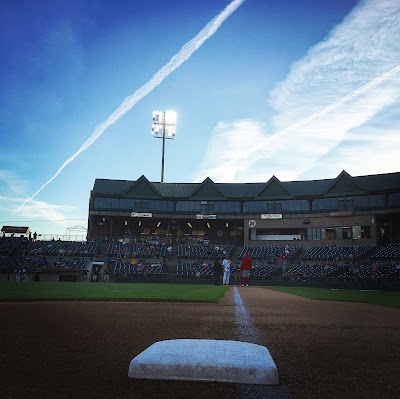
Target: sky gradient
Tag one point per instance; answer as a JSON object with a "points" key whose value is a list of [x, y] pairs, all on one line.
{"points": [[296, 89]]}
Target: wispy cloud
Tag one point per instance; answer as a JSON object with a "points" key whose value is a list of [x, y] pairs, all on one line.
{"points": [[11, 182], [36, 211], [341, 85]]}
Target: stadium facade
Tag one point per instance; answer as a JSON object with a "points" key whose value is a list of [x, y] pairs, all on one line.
{"points": [[346, 210]]}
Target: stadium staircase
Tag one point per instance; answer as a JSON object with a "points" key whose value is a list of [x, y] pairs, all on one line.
{"points": [[102, 253], [236, 253]]}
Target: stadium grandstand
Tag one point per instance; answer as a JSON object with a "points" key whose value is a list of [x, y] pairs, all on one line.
{"points": [[341, 229], [346, 210]]}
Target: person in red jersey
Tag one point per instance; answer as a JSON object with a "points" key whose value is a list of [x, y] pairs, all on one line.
{"points": [[246, 267]]}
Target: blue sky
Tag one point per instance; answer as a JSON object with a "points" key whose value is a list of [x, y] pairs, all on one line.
{"points": [[298, 89]]}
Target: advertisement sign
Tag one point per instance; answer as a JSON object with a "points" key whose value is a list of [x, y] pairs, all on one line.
{"points": [[271, 216], [141, 215]]}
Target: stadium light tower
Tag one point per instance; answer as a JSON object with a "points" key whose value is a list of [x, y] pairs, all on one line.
{"points": [[163, 128]]}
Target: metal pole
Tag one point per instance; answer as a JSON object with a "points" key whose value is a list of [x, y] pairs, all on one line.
{"points": [[163, 152]]}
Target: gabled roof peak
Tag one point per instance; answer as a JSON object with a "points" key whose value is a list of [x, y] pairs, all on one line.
{"points": [[273, 188], [207, 188], [142, 186], [343, 183]]}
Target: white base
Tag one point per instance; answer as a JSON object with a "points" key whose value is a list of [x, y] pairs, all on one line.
{"points": [[205, 360]]}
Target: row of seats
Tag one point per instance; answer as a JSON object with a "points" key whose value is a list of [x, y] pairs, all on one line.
{"points": [[127, 269], [23, 246], [391, 252], [271, 253], [11, 245], [63, 248], [330, 253], [6, 264], [266, 271], [203, 251], [196, 269], [367, 271], [117, 249], [315, 271]]}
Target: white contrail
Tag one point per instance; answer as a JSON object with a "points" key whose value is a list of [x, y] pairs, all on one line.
{"points": [[325, 110], [176, 61]]}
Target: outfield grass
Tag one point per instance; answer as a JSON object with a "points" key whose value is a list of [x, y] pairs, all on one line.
{"points": [[386, 298], [69, 291]]}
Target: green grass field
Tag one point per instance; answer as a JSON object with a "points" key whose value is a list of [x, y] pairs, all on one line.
{"points": [[386, 298], [60, 291]]}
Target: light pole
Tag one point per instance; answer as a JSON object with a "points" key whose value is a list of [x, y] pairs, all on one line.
{"points": [[163, 128]]}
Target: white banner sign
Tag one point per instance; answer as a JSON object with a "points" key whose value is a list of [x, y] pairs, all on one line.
{"points": [[271, 216], [206, 216], [141, 215]]}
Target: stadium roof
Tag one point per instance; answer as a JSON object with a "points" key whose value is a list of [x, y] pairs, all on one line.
{"points": [[15, 229], [343, 184]]}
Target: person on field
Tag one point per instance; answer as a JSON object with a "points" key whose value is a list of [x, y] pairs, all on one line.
{"points": [[217, 271], [227, 270], [246, 268]]}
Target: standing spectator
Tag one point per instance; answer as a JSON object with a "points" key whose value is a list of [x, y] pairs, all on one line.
{"points": [[239, 275], [85, 273], [227, 270], [217, 271], [246, 267]]}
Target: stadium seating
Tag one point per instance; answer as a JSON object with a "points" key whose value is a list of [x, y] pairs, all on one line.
{"points": [[315, 272], [384, 272], [266, 272], [63, 248], [5, 265], [271, 253], [119, 268], [391, 252], [195, 251], [12, 245], [331, 253], [118, 249], [194, 269], [44, 265]]}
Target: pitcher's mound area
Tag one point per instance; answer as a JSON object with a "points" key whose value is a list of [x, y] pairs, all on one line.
{"points": [[205, 360]]}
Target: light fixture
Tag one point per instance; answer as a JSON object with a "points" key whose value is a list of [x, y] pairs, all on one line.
{"points": [[126, 223], [140, 223], [208, 225], [158, 224], [226, 224], [163, 128], [190, 225]]}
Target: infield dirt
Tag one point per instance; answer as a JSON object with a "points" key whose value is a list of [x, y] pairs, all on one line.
{"points": [[322, 349]]}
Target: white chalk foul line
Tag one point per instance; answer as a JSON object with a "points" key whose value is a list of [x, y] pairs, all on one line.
{"points": [[246, 330]]}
